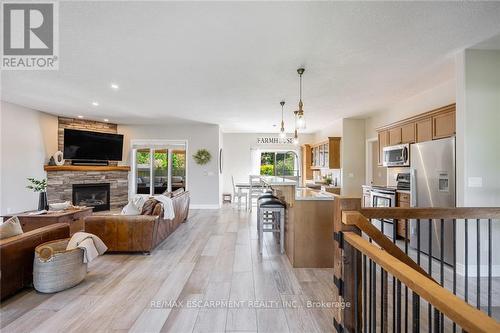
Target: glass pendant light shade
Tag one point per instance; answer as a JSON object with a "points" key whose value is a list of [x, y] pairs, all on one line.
{"points": [[282, 134], [300, 121], [295, 138]]}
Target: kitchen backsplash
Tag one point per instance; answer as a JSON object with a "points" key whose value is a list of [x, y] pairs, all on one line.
{"points": [[392, 173]]}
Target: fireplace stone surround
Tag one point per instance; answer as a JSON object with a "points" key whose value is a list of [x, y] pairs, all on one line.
{"points": [[60, 183]]}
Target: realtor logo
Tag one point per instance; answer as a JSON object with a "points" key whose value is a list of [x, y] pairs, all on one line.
{"points": [[30, 36]]}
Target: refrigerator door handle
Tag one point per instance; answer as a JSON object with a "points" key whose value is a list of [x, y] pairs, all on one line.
{"points": [[413, 188]]}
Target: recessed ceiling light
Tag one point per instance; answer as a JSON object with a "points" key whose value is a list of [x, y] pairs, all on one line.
{"points": [[95, 103], [114, 86], [106, 120], [81, 117]]}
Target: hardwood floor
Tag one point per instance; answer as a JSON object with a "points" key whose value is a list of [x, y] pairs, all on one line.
{"points": [[213, 257]]}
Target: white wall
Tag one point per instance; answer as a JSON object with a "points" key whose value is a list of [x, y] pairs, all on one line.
{"points": [[333, 129], [203, 181], [28, 139], [432, 98], [237, 154], [353, 157], [478, 147]]}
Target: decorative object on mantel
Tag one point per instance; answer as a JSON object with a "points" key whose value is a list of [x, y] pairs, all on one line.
{"points": [[52, 162], [300, 121], [39, 186], [202, 156], [58, 158], [282, 130]]}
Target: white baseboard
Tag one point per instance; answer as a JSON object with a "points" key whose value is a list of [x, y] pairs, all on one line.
{"points": [[495, 270], [214, 206]]}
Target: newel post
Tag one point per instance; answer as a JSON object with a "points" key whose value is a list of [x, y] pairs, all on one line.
{"points": [[346, 271]]}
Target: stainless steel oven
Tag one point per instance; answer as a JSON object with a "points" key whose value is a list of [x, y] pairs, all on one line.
{"points": [[382, 197], [396, 156]]}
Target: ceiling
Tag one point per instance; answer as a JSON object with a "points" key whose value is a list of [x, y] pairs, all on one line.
{"points": [[231, 63]]}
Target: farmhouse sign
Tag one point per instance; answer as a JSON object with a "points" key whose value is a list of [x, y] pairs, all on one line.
{"points": [[275, 140]]}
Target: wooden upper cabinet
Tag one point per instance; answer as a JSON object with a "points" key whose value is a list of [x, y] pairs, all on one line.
{"points": [[424, 130], [306, 163], [408, 133], [394, 136], [383, 141], [443, 125], [333, 152]]}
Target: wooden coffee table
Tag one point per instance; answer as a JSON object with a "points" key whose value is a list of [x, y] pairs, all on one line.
{"points": [[74, 217]]}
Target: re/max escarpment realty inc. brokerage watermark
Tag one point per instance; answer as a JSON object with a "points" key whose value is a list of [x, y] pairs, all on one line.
{"points": [[30, 35]]}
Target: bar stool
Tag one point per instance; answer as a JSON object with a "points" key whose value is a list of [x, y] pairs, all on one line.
{"points": [[266, 196], [277, 222]]}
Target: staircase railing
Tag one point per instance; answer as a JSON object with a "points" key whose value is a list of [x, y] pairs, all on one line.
{"points": [[387, 285]]}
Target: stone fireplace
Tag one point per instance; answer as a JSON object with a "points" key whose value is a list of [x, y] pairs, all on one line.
{"points": [[92, 195], [110, 181]]}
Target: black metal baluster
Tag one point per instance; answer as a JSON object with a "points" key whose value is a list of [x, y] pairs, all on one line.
{"points": [[365, 307], [418, 242], [466, 286], [416, 313], [394, 234], [478, 263], [356, 294], [374, 297], [398, 306], [370, 307], [441, 273], [454, 264], [406, 287], [489, 267], [382, 298], [429, 271]]}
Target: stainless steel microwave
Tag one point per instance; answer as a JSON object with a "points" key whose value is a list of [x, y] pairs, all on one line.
{"points": [[395, 156]]}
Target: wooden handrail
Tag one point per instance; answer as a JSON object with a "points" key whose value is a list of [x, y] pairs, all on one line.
{"points": [[355, 218], [468, 317], [432, 213]]}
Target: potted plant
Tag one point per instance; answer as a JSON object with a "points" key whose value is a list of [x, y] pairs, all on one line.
{"points": [[328, 180], [39, 186]]}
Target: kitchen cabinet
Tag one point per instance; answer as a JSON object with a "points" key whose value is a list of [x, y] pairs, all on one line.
{"points": [[307, 156], [326, 154], [424, 130], [383, 141], [394, 136], [408, 133], [443, 125], [402, 200], [431, 125]]}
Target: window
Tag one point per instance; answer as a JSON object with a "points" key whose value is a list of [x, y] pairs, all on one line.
{"points": [[278, 164], [159, 167]]}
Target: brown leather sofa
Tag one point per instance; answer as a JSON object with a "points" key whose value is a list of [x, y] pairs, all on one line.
{"points": [[141, 233], [17, 254]]}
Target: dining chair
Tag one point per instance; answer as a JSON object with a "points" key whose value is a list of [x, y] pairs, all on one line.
{"points": [[255, 190], [239, 194]]}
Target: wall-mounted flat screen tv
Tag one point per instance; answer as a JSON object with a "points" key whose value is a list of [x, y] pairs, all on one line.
{"points": [[92, 146]]}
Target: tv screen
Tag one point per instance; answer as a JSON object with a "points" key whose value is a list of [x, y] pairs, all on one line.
{"points": [[86, 145]]}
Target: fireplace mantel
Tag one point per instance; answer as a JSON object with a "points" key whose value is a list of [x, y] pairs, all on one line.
{"points": [[86, 168]]}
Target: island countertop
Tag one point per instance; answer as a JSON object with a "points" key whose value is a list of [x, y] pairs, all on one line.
{"points": [[309, 194], [275, 180]]}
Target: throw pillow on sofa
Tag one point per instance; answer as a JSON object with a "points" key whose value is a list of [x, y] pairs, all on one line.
{"points": [[131, 209], [149, 206], [177, 192], [11, 227]]}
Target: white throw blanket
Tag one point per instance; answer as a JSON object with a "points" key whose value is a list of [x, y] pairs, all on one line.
{"points": [[92, 245], [134, 207]]}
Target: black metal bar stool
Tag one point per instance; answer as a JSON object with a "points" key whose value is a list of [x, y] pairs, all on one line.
{"points": [[277, 221], [266, 196]]}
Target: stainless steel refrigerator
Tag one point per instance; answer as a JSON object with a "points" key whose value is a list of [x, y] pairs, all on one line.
{"points": [[432, 183]]}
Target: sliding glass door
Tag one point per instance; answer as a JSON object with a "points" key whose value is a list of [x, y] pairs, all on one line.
{"points": [[279, 164], [159, 168]]}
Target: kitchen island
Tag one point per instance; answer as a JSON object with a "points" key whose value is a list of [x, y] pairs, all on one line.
{"points": [[308, 223]]}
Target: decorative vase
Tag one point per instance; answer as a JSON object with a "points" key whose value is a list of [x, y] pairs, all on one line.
{"points": [[43, 203]]}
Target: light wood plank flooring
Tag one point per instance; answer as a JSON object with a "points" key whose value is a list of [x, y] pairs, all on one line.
{"points": [[212, 257]]}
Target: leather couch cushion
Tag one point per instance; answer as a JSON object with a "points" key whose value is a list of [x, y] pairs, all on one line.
{"points": [[10, 228]]}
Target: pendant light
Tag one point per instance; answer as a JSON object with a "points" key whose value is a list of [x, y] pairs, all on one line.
{"points": [[300, 121], [282, 130], [296, 138]]}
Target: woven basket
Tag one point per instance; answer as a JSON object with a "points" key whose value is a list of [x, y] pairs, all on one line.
{"points": [[55, 268]]}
